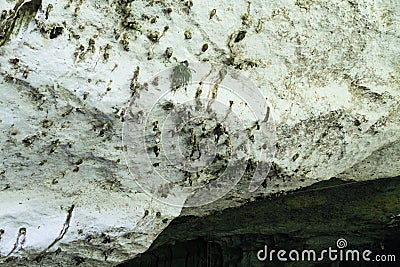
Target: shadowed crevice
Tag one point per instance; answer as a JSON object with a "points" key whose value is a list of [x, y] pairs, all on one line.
{"points": [[18, 19], [366, 214]]}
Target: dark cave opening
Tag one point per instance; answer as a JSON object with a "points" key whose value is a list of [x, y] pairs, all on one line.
{"points": [[366, 214]]}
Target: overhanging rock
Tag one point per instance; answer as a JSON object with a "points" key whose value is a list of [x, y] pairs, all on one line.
{"points": [[329, 69]]}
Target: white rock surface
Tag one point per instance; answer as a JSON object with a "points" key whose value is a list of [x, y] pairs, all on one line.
{"points": [[330, 69]]}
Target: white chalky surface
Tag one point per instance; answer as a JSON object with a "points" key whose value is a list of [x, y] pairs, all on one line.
{"points": [[330, 69]]}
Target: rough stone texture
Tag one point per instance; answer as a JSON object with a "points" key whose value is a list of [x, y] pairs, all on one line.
{"points": [[330, 69]]}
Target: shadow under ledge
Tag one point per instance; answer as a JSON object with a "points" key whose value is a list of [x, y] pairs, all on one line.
{"points": [[365, 214]]}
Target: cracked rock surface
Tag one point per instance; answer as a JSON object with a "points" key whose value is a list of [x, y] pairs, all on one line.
{"points": [[68, 69]]}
